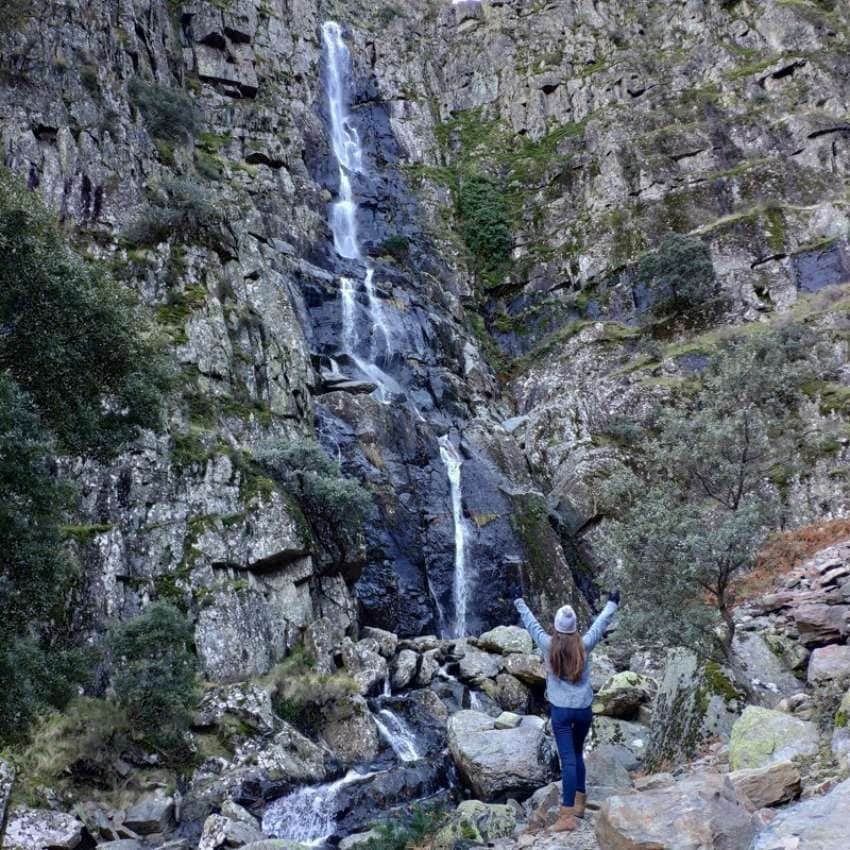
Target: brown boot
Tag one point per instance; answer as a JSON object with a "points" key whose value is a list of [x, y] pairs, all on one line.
{"points": [[581, 804], [566, 820]]}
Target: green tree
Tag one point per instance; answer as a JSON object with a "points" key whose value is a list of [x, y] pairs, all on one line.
{"points": [[680, 276], [687, 516], [72, 337], [335, 507], [155, 677], [485, 227]]}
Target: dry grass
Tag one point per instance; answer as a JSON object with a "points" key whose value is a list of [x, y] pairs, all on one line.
{"points": [[784, 551]]}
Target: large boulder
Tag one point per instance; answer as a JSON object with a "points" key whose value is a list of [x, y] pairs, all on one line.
{"points": [[818, 624], [350, 731], [387, 642], [767, 786], [366, 665], [762, 736], [153, 813], [248, 702], [477, 665], [765, 676], [509, 693], [220, 831], [39, 829], [476, 823], [624, 735], [506, 640], [403, 669], [698, 813], [830, 665], [696, 702], [623, 695], [819, 823], [606, 775], [501, 763], [528, 669]]}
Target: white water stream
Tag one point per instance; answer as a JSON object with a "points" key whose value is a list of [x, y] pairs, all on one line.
{"points": [[460, 585], [397, 734], [308, 814]]}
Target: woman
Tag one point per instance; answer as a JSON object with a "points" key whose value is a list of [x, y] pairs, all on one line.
{"points": [[567, 659]]}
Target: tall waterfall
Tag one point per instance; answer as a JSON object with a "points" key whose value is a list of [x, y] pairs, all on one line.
{"points": [[348, 152], [460, 589], [397, 734]]}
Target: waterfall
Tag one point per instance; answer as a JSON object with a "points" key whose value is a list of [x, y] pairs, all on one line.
{"points": [[453, 463], [397, 734], [345, 143], [308, 814]]}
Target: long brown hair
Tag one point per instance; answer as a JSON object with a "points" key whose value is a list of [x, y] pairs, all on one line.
{"points": [[566, 656]]}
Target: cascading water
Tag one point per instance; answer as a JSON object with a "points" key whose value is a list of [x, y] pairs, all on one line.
{"points": [[460, 588], [308, 814], [345, 143], [397, 734]]}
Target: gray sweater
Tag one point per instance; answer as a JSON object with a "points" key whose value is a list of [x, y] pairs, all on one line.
{"points": [[560, 692]]}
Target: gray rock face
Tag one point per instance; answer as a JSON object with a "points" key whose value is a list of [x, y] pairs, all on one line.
{"points": [[38, 829], [774, 783], [477, 665], [623, 694], [403, 669], [758, 669], [7, 779], [819, 823], [698, 813], [501, 763]]}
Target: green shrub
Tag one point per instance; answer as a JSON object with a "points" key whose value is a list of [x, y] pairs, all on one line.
{"points": [[305, 698], [169, 113], [485, 227], [177, 208], [155, 678], [680, 277], [397, 247], [335, 507], [72, 338], [411, 829]]}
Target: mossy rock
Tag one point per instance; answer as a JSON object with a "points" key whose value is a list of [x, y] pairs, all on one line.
{"points": [[762, 736], [476, 823]]}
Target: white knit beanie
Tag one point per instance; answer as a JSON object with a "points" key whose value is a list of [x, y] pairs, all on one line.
{"points": [[565, 620]]}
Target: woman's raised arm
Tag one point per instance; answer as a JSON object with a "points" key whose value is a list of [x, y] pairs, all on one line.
{"points": [[537, 632], [597, 630]]}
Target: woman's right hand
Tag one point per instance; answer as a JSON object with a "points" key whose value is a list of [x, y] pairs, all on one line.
{"points": [[614, 596]]}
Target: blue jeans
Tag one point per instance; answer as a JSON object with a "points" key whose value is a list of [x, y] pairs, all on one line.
{"points": [[570, 727]]}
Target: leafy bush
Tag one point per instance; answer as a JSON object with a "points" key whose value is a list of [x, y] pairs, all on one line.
{"points": [[396, 247], [304, 697], [690, 513], [680, 277], [411, 829], [179, 208], [155, 678], [485, 228], [169, 113], [72, 337], [335, 507]]}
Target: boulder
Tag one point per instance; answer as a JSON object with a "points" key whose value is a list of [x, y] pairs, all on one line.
{"points": [[153, 813], [606, 775], [840, 743], [623, 694], [236, 812], [39, 829], [631, 737], [768, 785], [220, 831], [762, 737], [387, 642], [428, 667], [350, 731], [500, 763], [288, 756], [528, 669], [830, 665], [819, 823], [403, 669], [506, 640], [791, 653], [248, 702], [474, 822], [601, 670], [698, 813], [365, 665], [509, 693], [508, 720], [820, 624], [757, 668], [477, 665], [696, 702]]}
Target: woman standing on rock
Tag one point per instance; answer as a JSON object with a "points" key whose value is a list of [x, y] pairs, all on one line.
{"points": [[570, 695]]}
